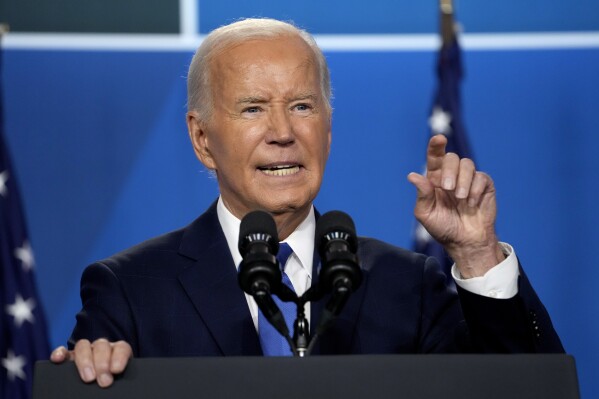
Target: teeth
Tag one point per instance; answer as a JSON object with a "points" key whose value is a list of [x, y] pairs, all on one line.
{"points": [[281, 170]]}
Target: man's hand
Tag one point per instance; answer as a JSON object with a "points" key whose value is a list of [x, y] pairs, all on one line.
{"points": [[98, 361], [456, 205]]}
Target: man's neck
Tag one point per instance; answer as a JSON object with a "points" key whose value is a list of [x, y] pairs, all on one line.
{"points": [[287, 222], [301, 239]]}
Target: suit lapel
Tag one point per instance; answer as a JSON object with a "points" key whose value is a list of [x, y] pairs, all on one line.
{"points": [[211, 284]]}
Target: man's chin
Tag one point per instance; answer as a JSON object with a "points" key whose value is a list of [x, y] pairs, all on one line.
{"points": [[287, 204]]}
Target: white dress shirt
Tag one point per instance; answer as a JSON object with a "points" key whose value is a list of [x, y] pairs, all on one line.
{"points": [[500, 282]]}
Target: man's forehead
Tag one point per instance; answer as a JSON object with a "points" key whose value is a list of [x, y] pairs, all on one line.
{"points": [[262, 52], [264, 64]]}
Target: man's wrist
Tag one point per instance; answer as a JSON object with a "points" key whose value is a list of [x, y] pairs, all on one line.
{"points": [[478, 260], [501, 282]]}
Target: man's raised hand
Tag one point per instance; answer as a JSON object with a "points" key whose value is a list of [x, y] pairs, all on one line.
{"points": [[456, 204]]}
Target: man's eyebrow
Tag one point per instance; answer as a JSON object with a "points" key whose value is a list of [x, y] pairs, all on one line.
{"points": [[251, 100], [304, 96], [261, 100]]}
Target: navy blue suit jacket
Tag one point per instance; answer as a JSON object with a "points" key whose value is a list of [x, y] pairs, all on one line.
{"points": [[177, 295]]}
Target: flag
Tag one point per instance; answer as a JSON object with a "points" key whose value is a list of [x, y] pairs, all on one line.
{"points": [[446, 119], [23, 337]]}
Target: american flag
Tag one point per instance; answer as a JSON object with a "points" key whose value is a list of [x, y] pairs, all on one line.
{"points": [[446, 119], [23, 337]]}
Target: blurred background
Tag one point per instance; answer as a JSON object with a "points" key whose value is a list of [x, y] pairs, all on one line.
{"points": [[94, 101]]}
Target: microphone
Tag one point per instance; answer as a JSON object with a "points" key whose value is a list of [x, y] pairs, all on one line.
{"points": [[258, 244], [337, 245], [259, 274], [340, 271]]}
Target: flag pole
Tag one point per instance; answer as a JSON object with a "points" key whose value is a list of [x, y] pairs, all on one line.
{"points": [[447, 22], [446, 117], [4, 29]]}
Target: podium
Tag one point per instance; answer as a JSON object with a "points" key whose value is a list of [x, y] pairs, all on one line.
{"points": [[544, 376]]}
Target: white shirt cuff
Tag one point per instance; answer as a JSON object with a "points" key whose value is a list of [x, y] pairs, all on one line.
{"points": [[501, 282]]}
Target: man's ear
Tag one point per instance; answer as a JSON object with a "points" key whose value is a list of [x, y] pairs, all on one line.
{"points": [[199, 139]]}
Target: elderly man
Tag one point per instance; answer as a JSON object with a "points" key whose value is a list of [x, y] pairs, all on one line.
{"points": [[260, 117]]}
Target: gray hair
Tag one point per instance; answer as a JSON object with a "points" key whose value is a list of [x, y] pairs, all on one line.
{"points": [[199, 95]]}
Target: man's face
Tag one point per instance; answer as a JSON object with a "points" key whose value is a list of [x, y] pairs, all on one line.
{"points": [[269, 135]]}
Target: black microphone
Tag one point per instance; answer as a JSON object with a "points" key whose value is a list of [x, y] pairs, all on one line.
{"points": [[337, 245], [259, 274], [258, 244], [340, 271]]}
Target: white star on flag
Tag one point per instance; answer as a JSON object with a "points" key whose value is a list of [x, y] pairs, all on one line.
{"points": [[3, 179], [21, 310], [439, 121], [25, 255], [14, 366]]}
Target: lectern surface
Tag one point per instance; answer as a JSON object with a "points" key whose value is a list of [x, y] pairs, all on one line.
{"points": [[320, 377]]}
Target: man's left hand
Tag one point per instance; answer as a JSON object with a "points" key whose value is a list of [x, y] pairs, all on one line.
{"points": [[456, 204]]}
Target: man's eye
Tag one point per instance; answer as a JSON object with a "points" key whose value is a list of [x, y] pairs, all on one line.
{"points": [[252, 110], [302, 107]]}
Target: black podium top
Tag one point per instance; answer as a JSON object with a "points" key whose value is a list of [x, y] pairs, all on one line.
{"points": [[347, 377]]}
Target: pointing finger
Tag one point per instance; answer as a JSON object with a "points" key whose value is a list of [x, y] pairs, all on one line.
{"points": [[434, 158]]}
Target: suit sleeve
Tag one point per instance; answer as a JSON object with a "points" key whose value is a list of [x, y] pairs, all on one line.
{"points": [[517, 325], [442, 328], [105, 311]]}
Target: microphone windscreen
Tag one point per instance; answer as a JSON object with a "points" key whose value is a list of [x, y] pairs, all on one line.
{"points": [[335, 224], [258, 226]]}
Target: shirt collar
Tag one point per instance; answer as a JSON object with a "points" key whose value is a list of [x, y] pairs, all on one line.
{"points": [[301, 240]]}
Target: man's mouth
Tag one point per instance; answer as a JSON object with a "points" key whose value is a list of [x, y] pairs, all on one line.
{"points": [[280, 170]]}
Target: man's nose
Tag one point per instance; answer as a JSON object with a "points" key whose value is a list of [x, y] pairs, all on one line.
{"points": [[280, 127]]}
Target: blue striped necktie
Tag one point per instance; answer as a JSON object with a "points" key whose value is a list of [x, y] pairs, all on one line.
{"points": [[273, 343]]}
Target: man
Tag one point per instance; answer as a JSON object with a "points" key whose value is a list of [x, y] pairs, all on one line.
{"points": [[260, 117]]}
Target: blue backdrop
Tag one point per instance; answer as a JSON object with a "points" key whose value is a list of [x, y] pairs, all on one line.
{"points": [[101, 150]]}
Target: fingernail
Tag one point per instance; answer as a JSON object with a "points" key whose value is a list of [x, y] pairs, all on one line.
{"points": [[104, 380], [448, 183], [461, 193], [88, 374]]}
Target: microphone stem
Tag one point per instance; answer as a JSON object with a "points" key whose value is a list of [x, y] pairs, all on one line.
{"points": [[294, 350], [301, 330], [341, 293]]}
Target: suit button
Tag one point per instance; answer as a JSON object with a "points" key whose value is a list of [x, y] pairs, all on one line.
{"points": [[535, 324]]}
